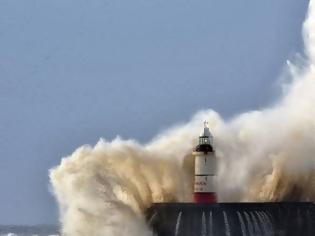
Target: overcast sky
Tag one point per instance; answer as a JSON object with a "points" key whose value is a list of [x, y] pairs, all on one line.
{"points": [[72, 71]]}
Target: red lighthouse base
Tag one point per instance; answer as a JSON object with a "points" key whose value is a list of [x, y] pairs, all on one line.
{"points": [[205, 198]]}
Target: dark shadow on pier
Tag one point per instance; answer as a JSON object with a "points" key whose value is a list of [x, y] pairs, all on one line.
{"points": [[232, 219]]}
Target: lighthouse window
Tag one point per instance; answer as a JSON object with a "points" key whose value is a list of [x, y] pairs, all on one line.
{"points": [[204, 141]]}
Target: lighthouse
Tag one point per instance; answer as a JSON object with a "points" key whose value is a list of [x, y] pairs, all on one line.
{"points": [[205, 168]]}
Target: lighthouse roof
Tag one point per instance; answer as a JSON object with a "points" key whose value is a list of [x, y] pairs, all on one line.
{"points": [[205, 140], [205, 132]]}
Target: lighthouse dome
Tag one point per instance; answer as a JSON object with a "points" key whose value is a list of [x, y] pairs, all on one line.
{"points": [[205, 140], [206, 132]]}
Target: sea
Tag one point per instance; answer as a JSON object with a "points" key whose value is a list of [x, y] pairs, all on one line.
{"points": [[37, 230]]}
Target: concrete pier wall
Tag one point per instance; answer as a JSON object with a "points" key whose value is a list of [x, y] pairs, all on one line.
{"points": [[232, 219]]}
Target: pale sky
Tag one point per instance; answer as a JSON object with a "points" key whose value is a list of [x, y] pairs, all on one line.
{"points": [[72, 71]]}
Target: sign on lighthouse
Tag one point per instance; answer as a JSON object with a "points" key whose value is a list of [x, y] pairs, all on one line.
{"points": [[205, 168]]}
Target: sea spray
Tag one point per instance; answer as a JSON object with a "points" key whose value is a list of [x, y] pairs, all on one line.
{"points": [[265, 155]]}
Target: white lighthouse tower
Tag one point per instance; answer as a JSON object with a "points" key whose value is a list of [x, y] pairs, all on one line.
{"points": [[205, 168]]}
